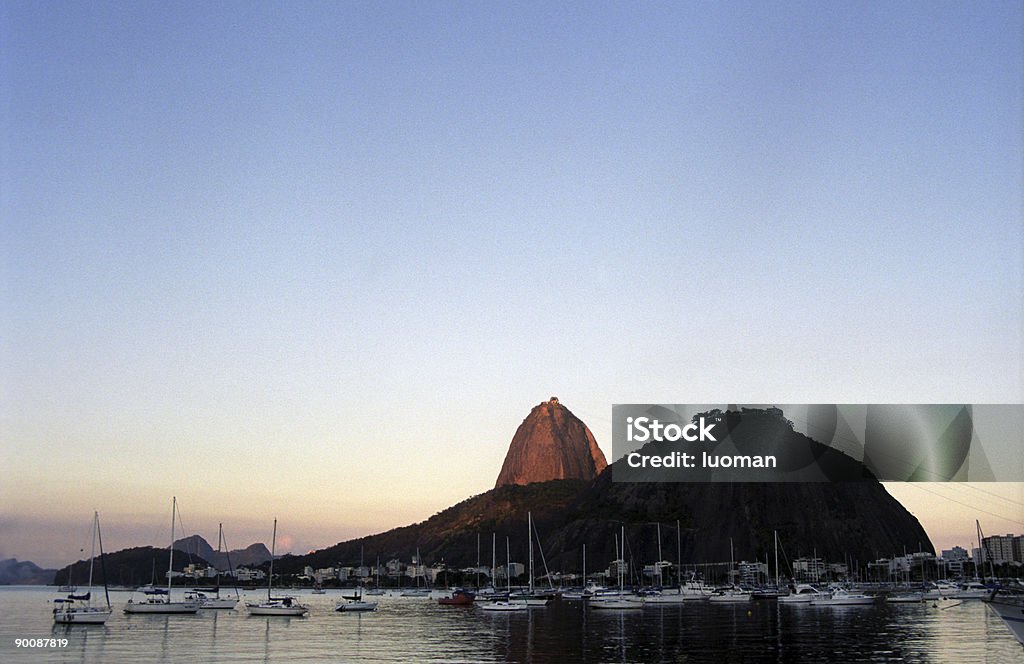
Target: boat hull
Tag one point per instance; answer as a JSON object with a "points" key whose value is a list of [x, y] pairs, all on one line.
{"points": [[218, 604], [356, 606], [739, 598], [616, 604], [296, 610], [844, 601], [81, 616], [505, 606], [664, 599], [1012, 614], [165, 607]]}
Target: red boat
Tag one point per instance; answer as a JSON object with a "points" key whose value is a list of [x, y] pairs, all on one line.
{"points": [[458, 598]]}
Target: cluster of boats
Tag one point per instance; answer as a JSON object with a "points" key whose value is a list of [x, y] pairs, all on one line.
{"points": [[82, 609], [1008, 604]]}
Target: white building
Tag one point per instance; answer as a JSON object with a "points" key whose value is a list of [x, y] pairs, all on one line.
{"points": [[248, 574]]}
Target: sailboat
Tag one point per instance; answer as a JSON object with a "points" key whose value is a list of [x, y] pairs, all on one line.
{"points": [[506, 605], [161, 603], [732, 594], [355, 603], [532, 597], [275, 606], [79, 609], [619, 600], [216, 602], [665, 596]]}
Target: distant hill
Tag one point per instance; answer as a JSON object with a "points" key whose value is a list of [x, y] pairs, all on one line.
{"points": [[13, 572], [140, 565], [254, 554], [129, 567], [858, 521]]}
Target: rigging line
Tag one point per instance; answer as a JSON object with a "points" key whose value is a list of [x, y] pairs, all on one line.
{"points": [[954, 500], [958, 486], [994, 495]]}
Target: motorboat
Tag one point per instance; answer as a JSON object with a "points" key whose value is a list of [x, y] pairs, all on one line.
{"points": [[732, 595], [458, 598], [971, 590], [800, 594], [842, 597]]}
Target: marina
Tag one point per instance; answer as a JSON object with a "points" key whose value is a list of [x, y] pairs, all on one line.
{"points": [[416, 629]]}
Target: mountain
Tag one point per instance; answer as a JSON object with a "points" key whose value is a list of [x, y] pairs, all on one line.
{"points": [[856, 521], [144, 564], [25, 572], [129, 567], [551, 444], [195, 545]]}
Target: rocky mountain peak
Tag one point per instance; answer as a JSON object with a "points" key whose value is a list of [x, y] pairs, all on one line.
{"points": [[551, 444]]}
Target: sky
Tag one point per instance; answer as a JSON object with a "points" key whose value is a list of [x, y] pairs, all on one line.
{"points": [[317, 261]]}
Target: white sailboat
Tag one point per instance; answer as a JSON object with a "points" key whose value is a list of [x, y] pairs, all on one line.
{"points": [[275, 606], [672, 596], [505, 605], [216, 601], [79, 609], [620, 600], [532, 597], [733, 594], [161, 603], [356, 603]]}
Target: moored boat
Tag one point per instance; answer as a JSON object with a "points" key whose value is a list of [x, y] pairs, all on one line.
{"points": [[731, 595], [800, 594], [275, 606], [1010, 608], [79, 609], [842, 597], [160, 602], [458, 597]]}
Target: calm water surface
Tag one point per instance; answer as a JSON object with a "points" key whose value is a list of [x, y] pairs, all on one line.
{"points": [[405, 629]]}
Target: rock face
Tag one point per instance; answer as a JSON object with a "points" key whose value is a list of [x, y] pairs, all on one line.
{"points": [[551, 444]]}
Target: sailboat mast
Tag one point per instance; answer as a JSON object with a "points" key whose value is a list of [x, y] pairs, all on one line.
{"points": [[776, 559], [478, 561], [494, 558], [679, 554], [92, 553], [220, 536], [273, 551], [659, 554], [622, 563], [732, 559], [103, 560], [170, 549], [584, 564], [529, 527], [508, 565]]}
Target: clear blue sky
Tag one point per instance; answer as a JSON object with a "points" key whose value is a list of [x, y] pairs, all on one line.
{"points": [[280, 259]]}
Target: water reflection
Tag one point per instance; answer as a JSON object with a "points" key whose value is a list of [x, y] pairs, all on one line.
{"points": [[410, 630]]}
